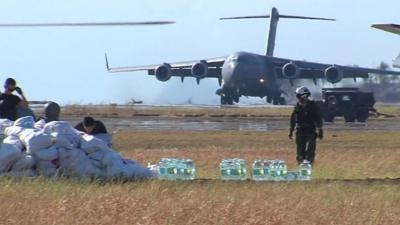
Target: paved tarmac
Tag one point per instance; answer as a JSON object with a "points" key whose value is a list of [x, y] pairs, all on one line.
{"points": [[234, 124]]}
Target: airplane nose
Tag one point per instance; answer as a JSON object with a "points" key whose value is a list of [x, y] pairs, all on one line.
{"points": [[228, 69]]}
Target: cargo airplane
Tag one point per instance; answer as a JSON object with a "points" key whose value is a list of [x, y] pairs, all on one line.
{"points": [[254, 75]]}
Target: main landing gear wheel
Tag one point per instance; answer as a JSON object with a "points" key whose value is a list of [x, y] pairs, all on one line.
{"points": [[226, 100], [277, 101]]}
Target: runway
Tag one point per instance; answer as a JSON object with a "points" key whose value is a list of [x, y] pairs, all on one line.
{"points": [[234, 124]]}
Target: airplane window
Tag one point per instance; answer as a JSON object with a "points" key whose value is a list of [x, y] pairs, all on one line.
{"points": [[346, 98], [246, 59], [233, 58]]}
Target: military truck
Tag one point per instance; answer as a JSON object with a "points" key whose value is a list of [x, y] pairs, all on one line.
{"points": [[351, 103]]}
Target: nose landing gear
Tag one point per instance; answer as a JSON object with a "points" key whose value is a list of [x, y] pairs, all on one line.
{"points": [[227, 97]]}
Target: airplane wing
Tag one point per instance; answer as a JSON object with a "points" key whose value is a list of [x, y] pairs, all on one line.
{"points": [[396, 62], [88, 24], [180, 69], [393, 28], [311, 70]]}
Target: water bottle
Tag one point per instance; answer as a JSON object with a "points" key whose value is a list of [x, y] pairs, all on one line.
{"points": [[277, 170], [291, 176], [167, 169], [176, 169], [233, 169], [186, 169], [305, 171], [260, 170], [282, 168]]}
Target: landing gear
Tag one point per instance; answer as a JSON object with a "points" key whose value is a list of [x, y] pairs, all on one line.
{"points": [[226, 100], [276, 101], [228, 96]]}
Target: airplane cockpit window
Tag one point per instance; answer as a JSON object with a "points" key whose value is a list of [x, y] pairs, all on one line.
{"points": [[233, 58], [246, 59], [346, 98]]}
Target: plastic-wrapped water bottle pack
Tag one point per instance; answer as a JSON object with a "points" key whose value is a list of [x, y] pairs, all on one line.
{"points": [[233, 169], [174, 169]]}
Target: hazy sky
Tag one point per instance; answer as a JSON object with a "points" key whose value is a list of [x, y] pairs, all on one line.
{"points": [[67, 64]]}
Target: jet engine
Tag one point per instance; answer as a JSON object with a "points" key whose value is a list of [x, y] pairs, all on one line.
{"points": [[334, 74], [163, 72], [290, 71], [199, 70]]}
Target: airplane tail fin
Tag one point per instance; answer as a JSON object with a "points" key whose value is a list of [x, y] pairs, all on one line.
{"points": [[273, 26], [107, 65]]}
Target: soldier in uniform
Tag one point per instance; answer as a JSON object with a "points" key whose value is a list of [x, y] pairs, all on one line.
{"points": [[306, 119]]}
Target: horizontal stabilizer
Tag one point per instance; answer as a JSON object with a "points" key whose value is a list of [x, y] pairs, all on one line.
{"points": [[280, 16], [145, 23], [273, 25]]}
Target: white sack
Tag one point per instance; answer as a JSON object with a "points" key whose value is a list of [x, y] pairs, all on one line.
{"points": [[40, 124], [60, 127], [25, 122], [97, 159], [47, 154], [47, 168], [91, 144], [13, 140], [24, 163], [63, 130], [117, 167], [65, 141], [35, 140], [4, 123], [107, 138], [9, 154], [75, 163], [13, 131]]}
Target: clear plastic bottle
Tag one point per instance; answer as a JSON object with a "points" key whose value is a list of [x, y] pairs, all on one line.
{"points": [[291, 176], [233, 169], [176, 169], [260, 170], [278, 170], [167, 169], [305, 171], [282, 168], [186, 169], [273, 169]]}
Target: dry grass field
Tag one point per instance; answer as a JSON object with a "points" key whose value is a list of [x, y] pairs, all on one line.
{"points": [[342, 155]]}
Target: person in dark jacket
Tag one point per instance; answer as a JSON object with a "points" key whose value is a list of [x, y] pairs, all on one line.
{"points": [[9, 102], [306, 119], [91, 126]]}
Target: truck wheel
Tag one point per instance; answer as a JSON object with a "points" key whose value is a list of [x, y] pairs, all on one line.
{"points": [[282, 101], [350, 118], [329, 118], [362, 116]]}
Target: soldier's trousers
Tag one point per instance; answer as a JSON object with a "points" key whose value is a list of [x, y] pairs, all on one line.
{"points": [[306, 145]]}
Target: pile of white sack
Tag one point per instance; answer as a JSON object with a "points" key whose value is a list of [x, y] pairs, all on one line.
{"points": [[56, 149]]}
